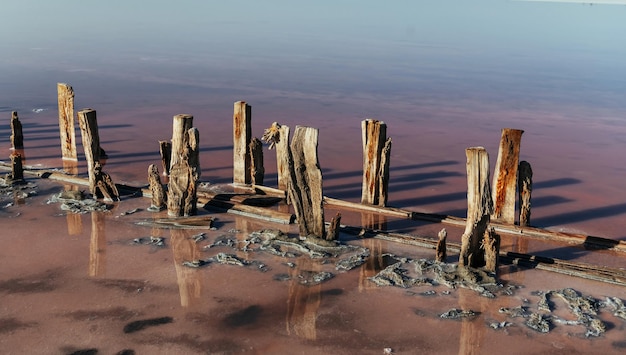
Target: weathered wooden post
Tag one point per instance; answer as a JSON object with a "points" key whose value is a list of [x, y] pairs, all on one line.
{"points": [[479, 207], [376, 153], [242, 132], [441, 252], [100, 183], [156, 189], [17, 137], [525, 186], [491, 245], [257, 170], [305, 188], [165, 149], [278, 137], [505, 176], [17, 169], [333, 228], [184, 168], [66, 121]]}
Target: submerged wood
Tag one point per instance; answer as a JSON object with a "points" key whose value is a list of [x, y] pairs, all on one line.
{"points": [[525, 187], [165, 150], [257, 170], [505, 176], [184, 168], [375, 174], [479, 207], [66, 121], [156, 188], [441, 253], [242, 135], [17, 136], [305, 188]]}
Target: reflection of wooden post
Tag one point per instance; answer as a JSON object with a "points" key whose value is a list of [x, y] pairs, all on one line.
{"points": [[257, 170], [97, 245], [505, 176], [479, 207], [373, 220], [184, 168], [303, 303], [373, 265], [156, 189], [189, 282], [17, 137], [472, 332], [165, 148], [242, 132], [376, 152], [66, 121], [525, 186], [305, 189]]}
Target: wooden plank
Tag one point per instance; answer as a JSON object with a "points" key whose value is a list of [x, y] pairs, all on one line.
{"points": [[242, 132], [505, 176], [305, 189], [66, 121]]}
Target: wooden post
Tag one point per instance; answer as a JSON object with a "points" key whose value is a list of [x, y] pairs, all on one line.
{"points": [[184, 168], [242, 132], [100, 183], [376, 152], [156, 189], [441, 252], [505, 176], [165, 149], [257, 170], [278, 136], [491, 244], [66, 121], [479, 207], [333, 228], [17, 137], [17, 169], [525, 186], [305, 188]]}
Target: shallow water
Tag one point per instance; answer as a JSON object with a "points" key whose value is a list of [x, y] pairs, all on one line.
{"points": [[443, 76]]}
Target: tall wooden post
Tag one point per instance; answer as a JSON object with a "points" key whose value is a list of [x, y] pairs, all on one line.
{"points": [[242, 132], [376, 152], [184, 168], [17, 169], [66, 121], [479, 207], [505, 176], [17, 137], [305, 189], [157, 202], [525, 186], [283, 158], [100, 183]]}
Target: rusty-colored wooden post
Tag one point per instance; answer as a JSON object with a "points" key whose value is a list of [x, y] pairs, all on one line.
{"points": [[100, 183], [376, 152], [305, 189], [184, 168], [257, 170], [525, 187], [66, 121], [505, 176], [242, 135], [17, 136], [479, 207]]}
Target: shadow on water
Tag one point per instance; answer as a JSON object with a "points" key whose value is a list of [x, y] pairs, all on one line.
{"points": [[584, 215]]}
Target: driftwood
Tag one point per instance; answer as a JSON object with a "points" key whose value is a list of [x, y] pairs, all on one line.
{"points": [[441, 252], [100, 183], [156, 188], [505, 176], [242, 135], [525, 187], [376, 151], [165, 149], [184, 168], [305, 188], [17, 136], [257, 171], [66, 121]]}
